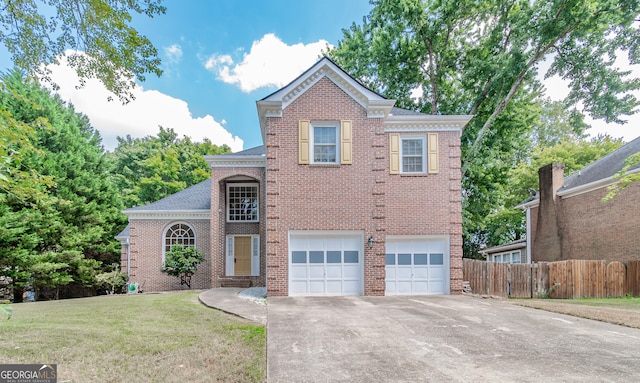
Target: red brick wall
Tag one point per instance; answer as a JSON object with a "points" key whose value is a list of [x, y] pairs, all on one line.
{"points": [[592, 229], [362, 196], [602, 230], [146, 240], [220, 228]]}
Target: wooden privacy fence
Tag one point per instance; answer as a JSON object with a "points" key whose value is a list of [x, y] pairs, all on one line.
{"points": [[564, 279]]}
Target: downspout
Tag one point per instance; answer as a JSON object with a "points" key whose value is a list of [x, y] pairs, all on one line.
{"points": [[528, 215], [128, 261]]}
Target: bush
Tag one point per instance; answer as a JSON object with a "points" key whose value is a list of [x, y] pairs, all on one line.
{"points": [[114, 281], [182, 262]]}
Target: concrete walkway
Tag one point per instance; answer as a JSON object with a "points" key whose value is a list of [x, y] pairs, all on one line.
{"points": [[226, 299]]}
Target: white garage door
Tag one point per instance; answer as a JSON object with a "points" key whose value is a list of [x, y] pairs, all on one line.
{"points": [[325, 264], [417, 266]]}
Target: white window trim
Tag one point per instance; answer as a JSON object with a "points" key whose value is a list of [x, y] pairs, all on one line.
{"points": [[255, 254], [509, 253], [241, 184], [424, 152], [169, 226], [323, 124]]}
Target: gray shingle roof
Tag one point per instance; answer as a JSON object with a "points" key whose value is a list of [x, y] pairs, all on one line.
{"points": [[257, 151], [124, 233], [404, 112], [603, 168], [196, 197]]}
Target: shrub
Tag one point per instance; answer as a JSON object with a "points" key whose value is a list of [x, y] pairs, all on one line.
{"points": [[182, 262]]}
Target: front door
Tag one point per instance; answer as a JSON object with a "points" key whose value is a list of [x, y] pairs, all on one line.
{"points": [[242, 255]]}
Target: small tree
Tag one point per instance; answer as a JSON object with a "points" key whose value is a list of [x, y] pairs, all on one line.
{"points": [[182, 262]]}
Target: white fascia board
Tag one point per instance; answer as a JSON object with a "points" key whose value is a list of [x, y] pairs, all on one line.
{"points": [[591, 186], [528, 205], [231, 161], [168, 214], [272, 106], [499, 249], [423, 123]]}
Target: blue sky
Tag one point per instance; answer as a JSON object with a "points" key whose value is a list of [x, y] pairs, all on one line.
{"points": [[219, 58]]}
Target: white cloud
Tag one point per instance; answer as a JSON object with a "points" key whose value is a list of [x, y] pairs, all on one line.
{"points": [[139, 118], [173, 53], [269, 63]]}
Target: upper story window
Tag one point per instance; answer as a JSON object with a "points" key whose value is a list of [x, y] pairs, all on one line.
{"points": [[413, 156], [179, 234], [242, 202], [325, 146], [325, 142]]}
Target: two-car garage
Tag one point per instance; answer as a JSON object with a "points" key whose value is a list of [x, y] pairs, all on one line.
{"points": [[332, 263]]}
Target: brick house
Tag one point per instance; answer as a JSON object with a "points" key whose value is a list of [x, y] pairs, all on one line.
{"points": [[349, 195], [569, 220]]}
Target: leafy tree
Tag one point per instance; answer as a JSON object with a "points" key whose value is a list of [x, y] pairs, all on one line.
{"points": [[96, 37], [504, 223], [624, 180], [182, 262], [74, 205], [482, 58], [150, 168]]}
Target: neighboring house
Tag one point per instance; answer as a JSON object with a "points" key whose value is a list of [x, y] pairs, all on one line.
{"points": [[512, 252], [348, 196], [569, 220]]}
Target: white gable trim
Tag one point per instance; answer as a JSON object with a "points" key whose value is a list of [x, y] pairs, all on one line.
{"points": [[273, 105], [424, 123], [231, 161]]}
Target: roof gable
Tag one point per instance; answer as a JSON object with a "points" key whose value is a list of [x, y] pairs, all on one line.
{"points": [[376, 105]]}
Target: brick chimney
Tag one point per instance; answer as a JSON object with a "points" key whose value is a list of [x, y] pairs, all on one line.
{"points": [[547, 244]]}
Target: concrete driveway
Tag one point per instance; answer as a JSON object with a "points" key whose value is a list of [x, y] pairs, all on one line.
{"points": [[441, 339]]}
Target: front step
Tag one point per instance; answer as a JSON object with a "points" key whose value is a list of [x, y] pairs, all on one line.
{"points": [[235, 282]]}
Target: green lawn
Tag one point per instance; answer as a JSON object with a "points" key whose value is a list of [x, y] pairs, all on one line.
{"points": [[135, 338], [627, 303]]}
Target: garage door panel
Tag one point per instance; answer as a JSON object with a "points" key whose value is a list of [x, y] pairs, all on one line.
{"points": [[333, 287], [316, 287], [298, 272], [332, 264], [420, 287], [403, 273], [390, 272], [351, 271], [334, 271], [420, 272], [298, 285], [403, 287], [351, 287], [416, 266], [316, 271]]}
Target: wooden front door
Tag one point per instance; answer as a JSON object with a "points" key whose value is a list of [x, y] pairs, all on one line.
{"points": [[242, 255]]}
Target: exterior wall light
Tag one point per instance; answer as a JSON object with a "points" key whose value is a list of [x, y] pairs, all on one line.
{"points": [[370, 242]]}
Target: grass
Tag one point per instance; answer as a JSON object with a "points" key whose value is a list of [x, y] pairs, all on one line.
{"points": [[623, 311], [139, 338], [627, 303]]}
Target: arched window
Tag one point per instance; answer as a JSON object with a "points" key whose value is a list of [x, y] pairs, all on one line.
{"points": [[179, 234]]}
